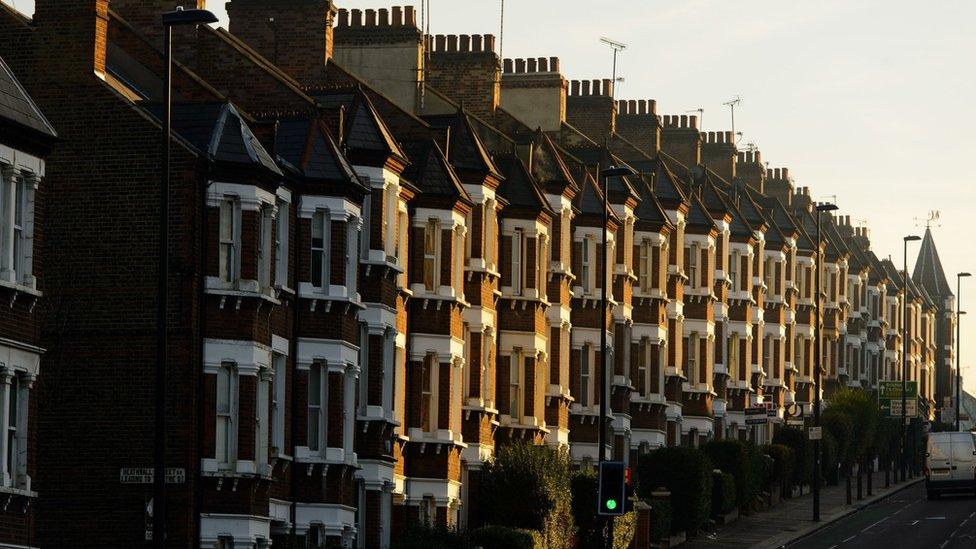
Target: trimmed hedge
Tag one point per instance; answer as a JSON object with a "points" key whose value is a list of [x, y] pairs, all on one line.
{"points": [[798, 441], [660, 519], [687, 474], [723, 493], [501, 537], [784, 459], [733, 457]]}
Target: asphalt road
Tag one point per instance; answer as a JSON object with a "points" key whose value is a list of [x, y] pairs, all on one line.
{"points": [[904, 521]]}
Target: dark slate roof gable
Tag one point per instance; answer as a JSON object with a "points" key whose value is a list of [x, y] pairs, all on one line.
{"points": [[928, 268], [16, 105], [519, 188], [433, 174]]}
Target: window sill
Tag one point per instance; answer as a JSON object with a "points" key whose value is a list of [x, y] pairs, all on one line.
{"points": [[442, 436], [653, 398], [333, 456], [17, 492], [383, 263], [21, 288], [243, 294]]}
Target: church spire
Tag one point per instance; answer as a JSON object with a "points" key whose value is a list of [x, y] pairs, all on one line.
{"points": [[928, 269]]}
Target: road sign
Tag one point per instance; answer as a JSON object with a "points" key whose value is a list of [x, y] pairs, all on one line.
{"points": [[816, 433], [890, 396], [144, 475], [794, 423], [756, 416], [772, 409], [911, 408]]}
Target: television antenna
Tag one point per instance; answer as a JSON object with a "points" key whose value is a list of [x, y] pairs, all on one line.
{"points": [[701, 116], [731, 105]]}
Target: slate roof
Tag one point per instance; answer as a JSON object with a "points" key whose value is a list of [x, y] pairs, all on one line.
{"points": [[548, 166], [698, 217], [218, 131], [364, 128], [466, 150], [432, 173], [928, 269], [307, 146], [519, 188], [666, 185], [17, 107], [649, 212]]}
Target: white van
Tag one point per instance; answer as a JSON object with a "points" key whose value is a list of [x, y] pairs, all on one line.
{"points": [[950, 463]]}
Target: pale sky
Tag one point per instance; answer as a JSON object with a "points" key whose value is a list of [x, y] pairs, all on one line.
{"points": [[871, 101]]}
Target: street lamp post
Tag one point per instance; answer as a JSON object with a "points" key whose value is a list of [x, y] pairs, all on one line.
{"points": [[959, 314], [904, 360], [170, 19], [818, 350]]}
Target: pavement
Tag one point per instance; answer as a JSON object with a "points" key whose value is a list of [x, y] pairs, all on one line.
{"points": [[790, 520], [904, 521]]}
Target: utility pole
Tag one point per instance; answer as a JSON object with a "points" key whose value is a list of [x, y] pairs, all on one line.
{"points": [[959, 313], [818, 358]]}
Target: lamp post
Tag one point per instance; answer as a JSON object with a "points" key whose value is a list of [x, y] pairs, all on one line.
{"points": [[959, 314], [171, 19], [818, 358], [904, 360]]}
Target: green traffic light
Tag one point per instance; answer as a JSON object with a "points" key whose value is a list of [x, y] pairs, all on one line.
{"points": [[611, 504]]}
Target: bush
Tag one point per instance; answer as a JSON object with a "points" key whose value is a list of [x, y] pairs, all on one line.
{"points": [[660, 519], [841, 426], [783, 463], [422, 536], [865, 417], [828, 457], [687, 474], [501, 537], [732, 456], [723, 493], [798, 441], [624, 528], [528, 487], [584, 490]]}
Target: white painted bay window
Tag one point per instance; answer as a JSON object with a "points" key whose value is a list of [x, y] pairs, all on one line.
{"points": [[586, 276], [733, 358], [645, 265], [265, 243], [428, 378], [692, 348], [643, 367], [262, 420], [432, 239], [279, 381], [226, 431], [14, 395], [364, 368], [516, 372], [585, 397], [518, 261], [16, 226], [230, 240], [318, 398], [487, 355], [693, 260], [734, 265], [541, 265]]}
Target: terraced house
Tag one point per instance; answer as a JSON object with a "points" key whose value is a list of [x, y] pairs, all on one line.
{"points": [[380, 281]]}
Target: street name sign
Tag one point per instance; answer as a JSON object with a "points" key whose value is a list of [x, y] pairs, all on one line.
{"points": [[816, 433], [756, 415]]}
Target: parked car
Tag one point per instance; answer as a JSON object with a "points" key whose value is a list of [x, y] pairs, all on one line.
{"points": [[950, 464]]}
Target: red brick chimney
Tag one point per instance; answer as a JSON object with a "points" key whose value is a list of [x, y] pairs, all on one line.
{"points": [[534, 91], [71, 39], [369, 44], [590, 108], [146, 15], [295, 35], [467, 70], [680, 139], [750, 170], [779, 185], [718, 152], [638, 123]]}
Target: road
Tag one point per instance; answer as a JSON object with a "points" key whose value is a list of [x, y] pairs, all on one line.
{"points": [[905, 521]]}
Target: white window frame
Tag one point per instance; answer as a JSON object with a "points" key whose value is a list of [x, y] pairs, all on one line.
{"points": [[541, 264], [735, 264], [364, 372], [694, 260], [516, 385], [13, 417], [468, 362], [428, 392], [279, 363], [226, 419], [586, 375], [230, 240], [644, 367], [518, 262], [432, 237], [487, 352], [693, 359], [281, 243], [732, 356], [645, 265], [265, 244], [262, 420], [586, 273], [324, 250], [318, 413]]}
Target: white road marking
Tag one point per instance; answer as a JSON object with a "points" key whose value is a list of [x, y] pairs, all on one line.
{"points": [[875, 524], [953, 534], [834, 547], [849, 539], [898, 511], [934, 518], [971, 515], [914, 523], [944, 543]]}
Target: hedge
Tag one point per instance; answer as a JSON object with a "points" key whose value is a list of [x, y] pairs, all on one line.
{"points": [[584, 490], [660, 519], [501, 537], [723, 493], [422, 536], [784, 459], [798, 441], [687, 474], [528, 487], [733, 457]]}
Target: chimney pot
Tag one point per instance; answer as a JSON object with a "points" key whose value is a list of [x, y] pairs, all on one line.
{"points": [[440, 43], [370, 18], [409, 16], [693, 120], [684, 121], [634, 106], [769, 173], [343, 18], [477, 43], [465, 42], [554, 64], [397, 16], [574, 87], [520, 65], [489, 41], [507, 66], [543, 64], [586, 88], [642, 107], [384, 17], [532, 65], [596, 87], [608, 88], [357, 18], [452, 43]]}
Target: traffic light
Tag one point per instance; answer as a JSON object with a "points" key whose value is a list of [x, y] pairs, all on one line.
{"points": [[612, 495]]}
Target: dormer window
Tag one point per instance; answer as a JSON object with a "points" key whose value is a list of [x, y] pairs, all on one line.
{"points": [[321, 242], [230, 240]]}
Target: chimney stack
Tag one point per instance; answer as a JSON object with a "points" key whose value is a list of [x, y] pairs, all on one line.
{"points": [[718, 152], [638, 123], [779, 185], [72, 37], [592, 110], [535, 92], [681, 139], [466, 68]]}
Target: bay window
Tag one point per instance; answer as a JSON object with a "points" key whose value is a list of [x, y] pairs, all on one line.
{"points": [[515, 398], [16, 217], [264, 246], [692, 260], [585, 275], [431, 255], [734, 266], [14, 394], [691, 344], [732, 360], [643, 365], [364, 368], [318, 399], [584, 396], [541, 264], [281, 244], [645, 265], [226, 431], [427, 379], [230, 240], [518, 261], [262, 423], [320, 244], [487, 354], [278, 381]]}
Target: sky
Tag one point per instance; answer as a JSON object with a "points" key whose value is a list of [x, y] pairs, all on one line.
{"points": [[869, 103]]}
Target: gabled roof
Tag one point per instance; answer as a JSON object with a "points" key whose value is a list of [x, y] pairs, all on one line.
{"points": [[432, 173], [666, 186], [892, 273], [466, 150], [649, 212], [519, 188], [218, 131], [307, 146], [548, 165], [698, 217], [364, 129], [590, 199], [16, 105], [928, 269]]}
